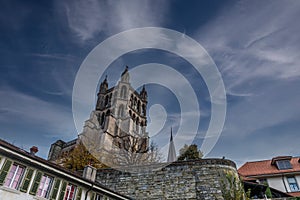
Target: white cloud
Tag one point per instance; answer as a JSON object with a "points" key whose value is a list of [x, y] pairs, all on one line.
{"points": [[86, 18], [55, 56], [257, 49], [248, 42]]}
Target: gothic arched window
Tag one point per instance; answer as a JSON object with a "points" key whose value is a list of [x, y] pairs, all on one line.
{"points": [[139, 106], [121, 111], [106, 100], [102, 119], [131, 101], [123, 93], [135, 103], [137, 125], [143, 110]]}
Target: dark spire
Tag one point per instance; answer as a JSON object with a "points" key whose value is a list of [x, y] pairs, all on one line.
{"points": [[143, 94], [125, 75], [105, 80], [104, 85], [125, 71], [172, 151]]}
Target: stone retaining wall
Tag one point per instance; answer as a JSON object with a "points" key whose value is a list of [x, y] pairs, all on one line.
{"points": [[199, 179]]}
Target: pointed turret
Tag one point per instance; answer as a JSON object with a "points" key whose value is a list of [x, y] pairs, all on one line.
{"points": [[104, 85], [102, 90], [143, 94], [172, 152], [125, 75]]}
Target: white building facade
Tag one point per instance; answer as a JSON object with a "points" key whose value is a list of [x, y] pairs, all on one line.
{"points": [[28, 177]]}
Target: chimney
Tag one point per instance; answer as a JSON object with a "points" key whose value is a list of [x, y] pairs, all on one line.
{"points": [[33, 150], [89, 173]]}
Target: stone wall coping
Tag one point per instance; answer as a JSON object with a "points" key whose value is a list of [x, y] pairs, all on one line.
{"points": [[198, 162]]}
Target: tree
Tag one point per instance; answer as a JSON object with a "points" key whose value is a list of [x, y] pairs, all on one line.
{"points": [[133, 151], [79, 157], [268, 192], [190, 152], [231, 186]]}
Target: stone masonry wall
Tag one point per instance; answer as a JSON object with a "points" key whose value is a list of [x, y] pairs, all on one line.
{"points": [[199, 179]]}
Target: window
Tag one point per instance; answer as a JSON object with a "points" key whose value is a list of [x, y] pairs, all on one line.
{"points": [[70, 193], [123, 93], [99, 197], [45, 186], [55, 189], [293, 184], [121, 111], [283, 164], [14, 176]]}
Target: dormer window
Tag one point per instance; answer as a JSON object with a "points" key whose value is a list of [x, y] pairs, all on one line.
{"points": [[282, 162]]}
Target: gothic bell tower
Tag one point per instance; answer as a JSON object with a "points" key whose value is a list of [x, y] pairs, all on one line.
{"points": [[121, 114]]}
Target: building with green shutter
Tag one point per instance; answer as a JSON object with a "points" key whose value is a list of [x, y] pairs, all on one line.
{"points": [[26, 176]]}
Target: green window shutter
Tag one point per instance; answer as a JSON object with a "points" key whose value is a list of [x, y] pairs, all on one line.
{"points": [[93, 196], [55, 189], [62, 191], [26, 181], [36, 183], [5, 168], [78, 195]]}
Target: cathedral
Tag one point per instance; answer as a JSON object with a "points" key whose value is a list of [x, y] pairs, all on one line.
{"points": [[115, 134], [118, 123], [121, 113]]}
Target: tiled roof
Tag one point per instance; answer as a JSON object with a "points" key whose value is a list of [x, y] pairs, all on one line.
{"points": [[294, 194], [265, 167]]}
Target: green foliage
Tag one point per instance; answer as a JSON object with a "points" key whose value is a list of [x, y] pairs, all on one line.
{"points": [[231, 187], [268, 192], [190, 152], [248, 193], [78, 158]]}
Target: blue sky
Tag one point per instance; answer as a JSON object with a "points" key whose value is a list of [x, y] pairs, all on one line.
{"points": [[255, 45]]}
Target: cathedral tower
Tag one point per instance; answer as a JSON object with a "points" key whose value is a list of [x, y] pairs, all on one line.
{"points": [[118, 122], [121, 115]]}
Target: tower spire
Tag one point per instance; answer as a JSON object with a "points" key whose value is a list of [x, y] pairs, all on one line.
{"points": [[143, 94], [104, 85], [125, 75], [172, 152]]}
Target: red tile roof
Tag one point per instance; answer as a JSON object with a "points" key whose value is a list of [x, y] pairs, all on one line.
{"points": [[294, 194], [265, 167]]}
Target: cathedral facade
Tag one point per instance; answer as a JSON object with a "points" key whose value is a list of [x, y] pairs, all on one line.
{"points": [[118, 122], [121, 113]]}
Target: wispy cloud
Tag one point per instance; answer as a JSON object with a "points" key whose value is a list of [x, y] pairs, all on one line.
{"points": [[248, 42], [89, 18], [54, 56], [257, 52]]}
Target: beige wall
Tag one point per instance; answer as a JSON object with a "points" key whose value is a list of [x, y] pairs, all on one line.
{"points": [[279, 182]]}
